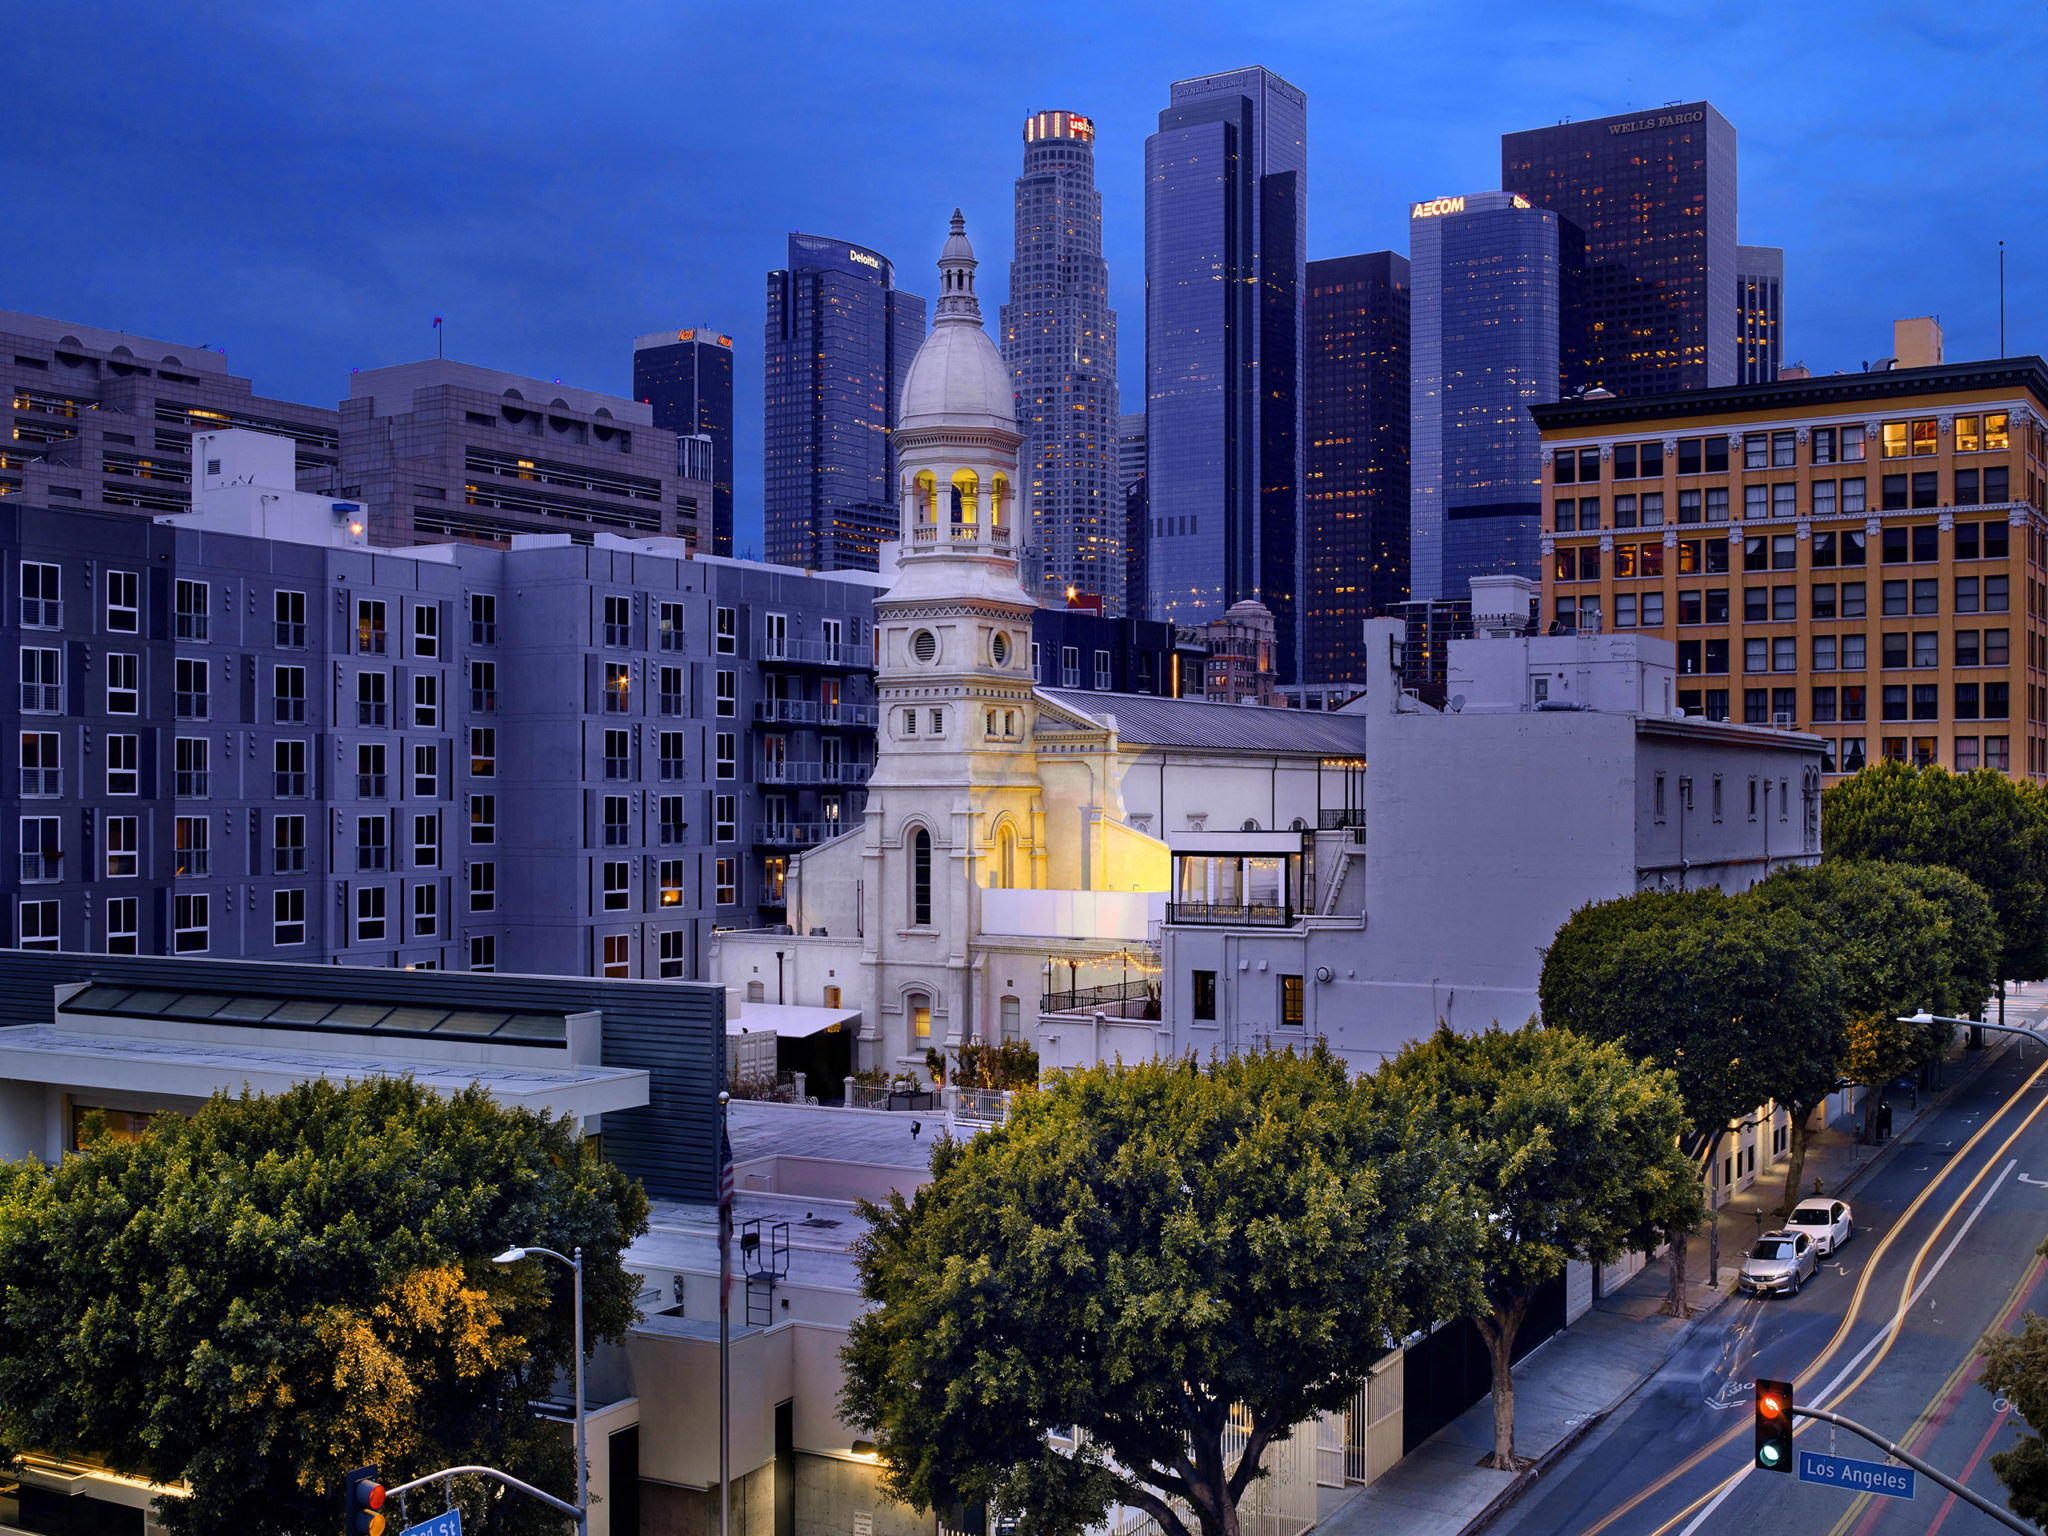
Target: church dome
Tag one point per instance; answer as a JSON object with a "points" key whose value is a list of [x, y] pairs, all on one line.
{"points": [[958, 378]]}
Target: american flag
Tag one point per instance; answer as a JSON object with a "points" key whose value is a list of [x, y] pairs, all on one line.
{"points": [[724, 1219]]}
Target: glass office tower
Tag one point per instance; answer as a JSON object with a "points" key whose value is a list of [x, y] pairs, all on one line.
{"points": [[1356, 423], [840, 337], [1759, 313], [686, 376], [1226, 236], [1059, 340], [1654, 193], [1491, 276]]}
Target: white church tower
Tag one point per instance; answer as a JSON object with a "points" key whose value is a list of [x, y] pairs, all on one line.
{"points": [[954, 804]]}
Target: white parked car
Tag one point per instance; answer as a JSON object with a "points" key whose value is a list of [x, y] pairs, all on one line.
{"points": [[1828, 1222]]}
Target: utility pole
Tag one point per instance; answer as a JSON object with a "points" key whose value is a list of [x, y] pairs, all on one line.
{"points": [[724, 1314]]}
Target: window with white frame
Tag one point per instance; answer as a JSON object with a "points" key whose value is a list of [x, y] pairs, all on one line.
{"points": [[122, 913], [124, 606], [189, 918]]}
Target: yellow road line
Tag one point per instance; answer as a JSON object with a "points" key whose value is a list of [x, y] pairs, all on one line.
{"points": [[1722, 1440]]}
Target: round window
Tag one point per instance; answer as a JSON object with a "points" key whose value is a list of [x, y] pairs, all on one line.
{"points": [[999, 649], [924, 645]]}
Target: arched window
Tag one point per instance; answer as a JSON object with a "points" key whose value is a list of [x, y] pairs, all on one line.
{"points": [[966, 491], [918, 1007], [757, 992], [998, 500], [926, 489], [921, 878], [1006, 857], [1013, 1019]]}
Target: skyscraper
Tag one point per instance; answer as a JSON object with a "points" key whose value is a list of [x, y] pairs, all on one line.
{"points": [[1130, 479], [1759, 313], [1654, 193], [686, 376], [840, 337], [1490, 274], [1355, 427], [1059, 343], [1226, 236]]}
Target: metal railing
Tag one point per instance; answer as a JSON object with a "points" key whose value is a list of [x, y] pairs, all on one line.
{"points": [[1332, 821], [794, 834], [1089, 999], [1229, 914], [825, 653]]}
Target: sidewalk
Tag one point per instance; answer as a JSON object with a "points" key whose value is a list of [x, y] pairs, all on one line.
{"points": [[1573, 1380]]}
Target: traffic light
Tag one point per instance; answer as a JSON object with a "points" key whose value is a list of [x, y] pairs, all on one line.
{"points": [[365, 1501], [1774, 1426]]}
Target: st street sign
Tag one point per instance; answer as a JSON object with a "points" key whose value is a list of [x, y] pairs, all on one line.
{"points": [[449, 1523], [1836, 1472]]}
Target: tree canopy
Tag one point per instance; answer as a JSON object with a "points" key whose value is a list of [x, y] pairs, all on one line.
{"points": [[254, 1299], [2016, 1368], [1571, 1148], [1135, 1252], [1980, 824]]}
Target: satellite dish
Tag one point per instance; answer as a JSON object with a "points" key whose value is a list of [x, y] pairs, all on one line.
{"points": [[1457, 702]]}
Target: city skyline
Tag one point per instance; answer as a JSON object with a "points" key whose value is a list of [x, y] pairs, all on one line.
{"points": [[352, 277]]}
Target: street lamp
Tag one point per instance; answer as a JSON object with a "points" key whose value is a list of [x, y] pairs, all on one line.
{"points": [[1924, 1017], [513, 1256]]}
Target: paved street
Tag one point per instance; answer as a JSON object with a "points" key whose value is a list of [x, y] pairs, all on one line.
{"points": [[1943, 1251]]}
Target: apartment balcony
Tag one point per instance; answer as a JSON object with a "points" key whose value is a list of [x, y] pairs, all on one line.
{"points": [[810, 712], [816, 653], [786, 711], [792, 771], [796, 834]]}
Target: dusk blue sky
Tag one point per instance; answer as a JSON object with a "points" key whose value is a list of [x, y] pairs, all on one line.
{"points": [[307, 185]]}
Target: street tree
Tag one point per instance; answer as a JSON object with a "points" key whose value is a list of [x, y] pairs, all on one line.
{"points": [[1880, 1046], [1074, 1310], [257, 1297], [1572, 1150], [2016, 1369], [1981, 824], [1903, 937], [1717, 990]]}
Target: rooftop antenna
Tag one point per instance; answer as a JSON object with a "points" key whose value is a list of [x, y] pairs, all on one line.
{"points": [[437, 337], [2001, 299]]}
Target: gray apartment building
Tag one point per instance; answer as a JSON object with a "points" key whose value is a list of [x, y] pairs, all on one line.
{"points": [[439, 450], [103, 420], [252, 733]]}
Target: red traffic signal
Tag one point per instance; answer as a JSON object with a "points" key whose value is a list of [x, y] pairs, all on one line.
{"points": [[365, 1501], [1774, 1426]]}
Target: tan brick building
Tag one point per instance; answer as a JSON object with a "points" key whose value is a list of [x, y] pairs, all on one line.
{"points": [[1860, 555]]}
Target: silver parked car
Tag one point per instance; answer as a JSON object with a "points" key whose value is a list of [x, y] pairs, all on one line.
{"points": [[1829, 1221], [1780, 1261]]}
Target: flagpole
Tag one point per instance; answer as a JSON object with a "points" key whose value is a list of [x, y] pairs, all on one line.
{"points": [[724, 1317]]}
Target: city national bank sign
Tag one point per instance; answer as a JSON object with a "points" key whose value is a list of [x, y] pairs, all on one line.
{"points": [[1668, 120]]}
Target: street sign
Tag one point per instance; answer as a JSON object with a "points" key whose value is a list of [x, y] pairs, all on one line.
{"points": [[1836, 1472], [449, 1523]]}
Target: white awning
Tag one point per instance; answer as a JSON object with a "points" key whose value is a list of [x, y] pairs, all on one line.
{"points": [[789, 1021]]}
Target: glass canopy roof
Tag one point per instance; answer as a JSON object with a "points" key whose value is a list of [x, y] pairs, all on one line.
{"points": [[260, 1012]]}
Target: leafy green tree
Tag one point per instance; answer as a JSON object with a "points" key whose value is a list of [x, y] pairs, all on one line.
{"points": [[1904, 937], [1572, 1150], [257, 1298], [1140, 1254], [1981, 824], [1879, 1048], [1719, 991], [2016, 1368]]}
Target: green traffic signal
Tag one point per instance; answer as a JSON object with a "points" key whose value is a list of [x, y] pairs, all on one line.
{"points": [[1774, 1426]]}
